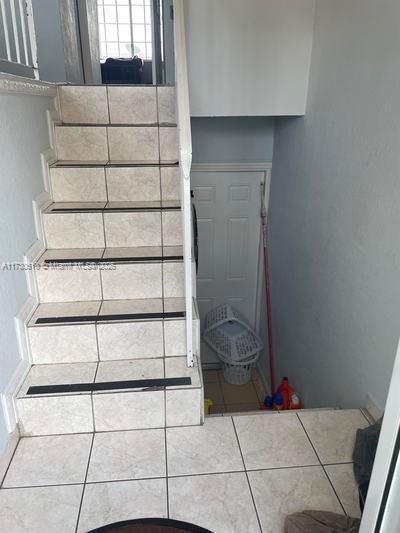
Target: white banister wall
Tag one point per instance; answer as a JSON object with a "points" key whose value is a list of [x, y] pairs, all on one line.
{"points": [[17, 38], [185, 163]]}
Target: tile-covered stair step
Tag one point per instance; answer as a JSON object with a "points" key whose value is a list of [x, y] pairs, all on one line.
{"points": [[106, 407], [140, 254], [105, 330], [138, 105], [116, 144], [112, 224], [115, 183], [117, 278]]}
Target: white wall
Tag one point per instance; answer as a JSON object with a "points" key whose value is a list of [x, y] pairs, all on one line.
{"points": [[334, 211], [23, 135], [248, 57]]}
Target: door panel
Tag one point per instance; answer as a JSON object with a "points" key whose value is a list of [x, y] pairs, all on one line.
{"points": [[228, 213]]}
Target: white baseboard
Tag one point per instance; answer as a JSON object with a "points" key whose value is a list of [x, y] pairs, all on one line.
{"points": [[6, 456], [373, 408], [40, 203], [48, 157], [10, 392], [31, 256]]}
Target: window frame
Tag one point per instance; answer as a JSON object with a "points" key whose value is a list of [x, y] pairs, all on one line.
{"points": [[146, 52]]}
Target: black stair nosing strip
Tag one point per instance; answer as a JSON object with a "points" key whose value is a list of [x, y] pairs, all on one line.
{"points": [[112, 209], [134, 85], [116, 125], [109, 385], [109, 318], [110, 164], [96, 260]]}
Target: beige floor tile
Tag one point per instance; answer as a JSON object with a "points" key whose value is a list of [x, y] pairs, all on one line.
{"points": [[130, 369], [280, 492], [55, 460], [40, 509], [205, 449], [219, 502], [123, 455], [106, 503], [269, 441], [333, 433], [239, 393], [344, 483], [58, 374]]}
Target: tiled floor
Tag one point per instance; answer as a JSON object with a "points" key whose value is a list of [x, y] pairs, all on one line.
{"points": [[229, 398], [235, 474]]}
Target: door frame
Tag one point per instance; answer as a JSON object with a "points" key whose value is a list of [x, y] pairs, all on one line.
{"points": [[381, 512], [266, 168]]}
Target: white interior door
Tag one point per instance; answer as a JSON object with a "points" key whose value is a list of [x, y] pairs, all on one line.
{"points": [[228, 215]]}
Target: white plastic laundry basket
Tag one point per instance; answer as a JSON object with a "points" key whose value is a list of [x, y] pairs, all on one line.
{"points": [[234, 342]]}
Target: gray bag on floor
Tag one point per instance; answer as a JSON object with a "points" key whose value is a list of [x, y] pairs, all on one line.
{"points": [[364, 456], [320, 522]]}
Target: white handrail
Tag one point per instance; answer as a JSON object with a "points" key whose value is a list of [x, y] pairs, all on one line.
{"points": [[185, 164], [18, 28]]}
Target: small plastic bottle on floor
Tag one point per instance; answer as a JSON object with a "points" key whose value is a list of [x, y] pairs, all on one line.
{"points": [[278, 402]]}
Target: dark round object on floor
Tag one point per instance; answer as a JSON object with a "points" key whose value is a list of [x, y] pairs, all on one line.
{"points": [[151, 525]]}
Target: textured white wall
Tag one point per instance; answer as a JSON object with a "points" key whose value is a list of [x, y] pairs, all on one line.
{"points": [[334, 211], [248, 57], [23, 135]]}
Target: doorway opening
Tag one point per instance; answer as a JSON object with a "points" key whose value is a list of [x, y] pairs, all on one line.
{"points": [[135, 40]]}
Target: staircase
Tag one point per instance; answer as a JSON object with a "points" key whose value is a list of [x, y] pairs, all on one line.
{"points": [[109, 327]]}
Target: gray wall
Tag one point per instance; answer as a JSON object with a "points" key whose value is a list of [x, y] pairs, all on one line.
{"points": [[232, 139], [334, 211], [23, 135], [50, 46], [58, 45]]}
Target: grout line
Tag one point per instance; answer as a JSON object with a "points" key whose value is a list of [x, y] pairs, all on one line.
{"points": [[110, 431], [108, 105], [170, 476], [84, 483], [247, 476], [322, 466], [106, 184], [166, 452], [9, 464]]}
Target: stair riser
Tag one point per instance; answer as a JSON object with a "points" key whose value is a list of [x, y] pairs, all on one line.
{"points": [[119, 282], [107, 341], [110, 412], [117, 105], [116, 229], [119, 144], [114, 184]]}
